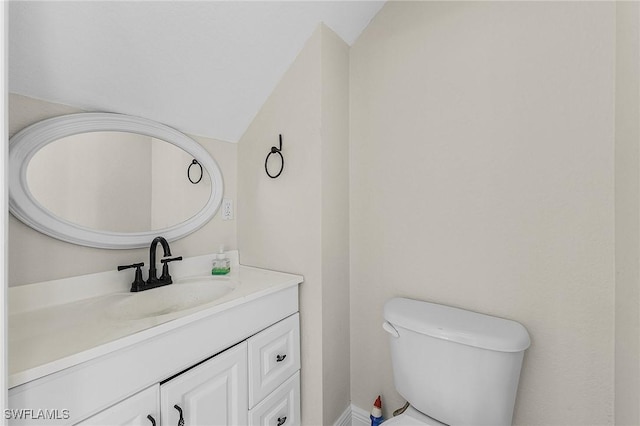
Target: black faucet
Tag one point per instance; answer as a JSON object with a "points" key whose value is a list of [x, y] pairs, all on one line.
{"points": [[153, 280], [138, 283]]}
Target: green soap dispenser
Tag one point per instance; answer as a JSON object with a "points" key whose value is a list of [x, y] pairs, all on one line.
{"points": [[221, 263]]}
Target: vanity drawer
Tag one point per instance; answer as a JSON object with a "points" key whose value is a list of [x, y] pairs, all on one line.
{"points": [[274, 355], [281, 408]]}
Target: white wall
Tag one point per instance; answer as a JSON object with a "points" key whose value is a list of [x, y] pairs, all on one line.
{"points": [[482, 177], [335, 226], [627, 175], [35, 257], [278, 219], [296, 222]]}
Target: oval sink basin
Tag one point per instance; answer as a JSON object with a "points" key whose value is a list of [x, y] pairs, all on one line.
{"points": [[183, 294]]}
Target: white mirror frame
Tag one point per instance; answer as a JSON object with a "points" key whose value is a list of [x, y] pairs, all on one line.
{"points": [[25, 144]]}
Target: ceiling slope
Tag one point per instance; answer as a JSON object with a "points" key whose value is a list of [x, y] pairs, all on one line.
{"points": [[203, 67]]}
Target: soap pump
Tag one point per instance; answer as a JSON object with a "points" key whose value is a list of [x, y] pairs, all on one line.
{"points": [[221, 263]]}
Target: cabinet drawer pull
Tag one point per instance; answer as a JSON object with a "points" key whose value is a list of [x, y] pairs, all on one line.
{"points": [[181, 419], [281, 358], [152, 420], [281, 420]]}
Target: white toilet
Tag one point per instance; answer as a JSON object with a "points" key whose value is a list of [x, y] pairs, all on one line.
{"points": [[453, 366]]}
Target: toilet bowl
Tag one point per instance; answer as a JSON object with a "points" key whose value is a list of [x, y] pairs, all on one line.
{"points": [[453, 366]]}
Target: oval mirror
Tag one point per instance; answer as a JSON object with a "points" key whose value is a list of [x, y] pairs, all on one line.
{"points": [[111, 180]]}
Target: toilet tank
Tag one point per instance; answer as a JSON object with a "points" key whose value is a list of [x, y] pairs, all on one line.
{"points": [[456, 366]]}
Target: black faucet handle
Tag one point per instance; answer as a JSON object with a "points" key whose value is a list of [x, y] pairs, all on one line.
{"points": [[133, 265], [170, 259], [138, 281], [165, 277]]}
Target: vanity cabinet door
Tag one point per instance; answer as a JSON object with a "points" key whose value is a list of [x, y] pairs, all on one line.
{"points": [[133, 411], [212, 393]]}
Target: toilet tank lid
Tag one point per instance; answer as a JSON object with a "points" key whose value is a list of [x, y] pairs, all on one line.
{"points": [[457, 325]]}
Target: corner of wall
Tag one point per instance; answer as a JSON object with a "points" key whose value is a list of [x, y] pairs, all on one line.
{"points": [[335, 224], [627, 206], [299, 221], [279, 220]]}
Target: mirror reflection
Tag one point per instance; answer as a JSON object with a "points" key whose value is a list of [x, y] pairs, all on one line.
{"points": [[117, 181]]}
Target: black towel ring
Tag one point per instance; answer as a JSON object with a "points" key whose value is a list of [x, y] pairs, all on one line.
{"points": [[278, 151], [194, 162]]}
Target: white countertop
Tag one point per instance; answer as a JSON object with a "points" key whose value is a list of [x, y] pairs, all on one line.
{"points": [[72, 324]]}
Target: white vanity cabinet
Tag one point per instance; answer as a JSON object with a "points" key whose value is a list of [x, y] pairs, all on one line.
{"points": [[281, 407], [274, 380], [212, 393], [232, 362], [274, 355], [141, 409], [255, 382]]}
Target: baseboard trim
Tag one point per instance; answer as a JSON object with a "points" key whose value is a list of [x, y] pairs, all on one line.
{"points": [[345, 418], [353, 416], [359, 417]]}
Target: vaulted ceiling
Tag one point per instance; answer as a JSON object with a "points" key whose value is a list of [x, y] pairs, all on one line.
{"points": [[204, 67]]}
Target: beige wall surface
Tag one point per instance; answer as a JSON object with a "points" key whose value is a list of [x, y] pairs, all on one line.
{"points": [[335, 225], [35, 257], [627, 175], [298, 222], [482, 177], [279, 219]]}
